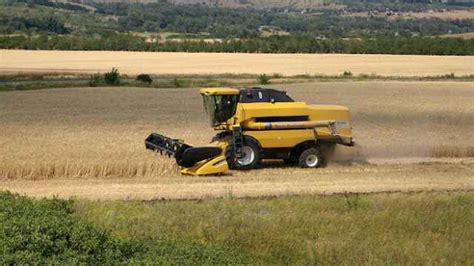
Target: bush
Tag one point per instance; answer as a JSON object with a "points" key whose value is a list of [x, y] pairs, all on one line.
{"points": [[179, 83], [347, 74], [95, 80], [112, 77], [263, 79], [277, 75], [145, 78], [48, 232], [449, 76]]}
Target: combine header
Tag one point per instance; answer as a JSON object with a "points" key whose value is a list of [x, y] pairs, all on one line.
{"points": [[258, 124]]}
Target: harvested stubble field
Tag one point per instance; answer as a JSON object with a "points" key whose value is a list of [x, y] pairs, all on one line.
{"points": [[13, 61], [88, 142]]}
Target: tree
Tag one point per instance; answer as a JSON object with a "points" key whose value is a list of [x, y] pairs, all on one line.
{"points": [[263, 79], [112, 77], [144, 78]]}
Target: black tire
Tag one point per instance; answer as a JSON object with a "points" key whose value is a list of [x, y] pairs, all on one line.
{"points": [[236, 164], [311, 158]]}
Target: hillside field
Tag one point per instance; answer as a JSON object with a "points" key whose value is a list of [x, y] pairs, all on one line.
{"points": [[14, 61], [88, 142]]}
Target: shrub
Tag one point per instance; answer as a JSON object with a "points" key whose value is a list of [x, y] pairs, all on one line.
{"points": [[112, 77], [179, 83], [277, 75], [367, 76], [449, 76], [95, 80], [263, 79], [145, 78], [347, 74], [302, 76], [48, 232]]}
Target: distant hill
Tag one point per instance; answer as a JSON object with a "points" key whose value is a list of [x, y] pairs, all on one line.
{"points": [[261, 4], [113, 1], [230, 3], [281, 4], [301, 4], [396, 28]]}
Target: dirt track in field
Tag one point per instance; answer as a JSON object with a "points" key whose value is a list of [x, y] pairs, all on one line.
{"points": [[223, 63], [88, 142], [438, 176]]}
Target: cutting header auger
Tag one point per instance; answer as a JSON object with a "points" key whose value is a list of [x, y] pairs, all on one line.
{"points": [[256, 124]]}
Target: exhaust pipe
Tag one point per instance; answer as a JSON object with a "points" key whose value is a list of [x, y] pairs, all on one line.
{"points": [[253, 125]]}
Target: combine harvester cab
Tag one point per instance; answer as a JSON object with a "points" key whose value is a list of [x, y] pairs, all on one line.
{"points": [[258, 124]]}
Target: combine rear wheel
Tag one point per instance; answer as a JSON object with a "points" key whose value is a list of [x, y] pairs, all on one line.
{"points": [[311, 158], [250, 155]]}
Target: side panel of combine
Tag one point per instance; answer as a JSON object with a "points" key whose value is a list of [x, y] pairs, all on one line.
{"points": [[287, 124], [247, 111], [281, 138]]}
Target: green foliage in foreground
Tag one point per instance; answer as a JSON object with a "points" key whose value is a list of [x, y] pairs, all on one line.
{"points": [[48, 231], [422, 228]]}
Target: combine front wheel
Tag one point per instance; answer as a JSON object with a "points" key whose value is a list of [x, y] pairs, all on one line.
{"points": [[250, 156]]}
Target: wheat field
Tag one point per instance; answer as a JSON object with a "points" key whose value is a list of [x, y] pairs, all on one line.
{"points": [[88, 142], [14, 61]]}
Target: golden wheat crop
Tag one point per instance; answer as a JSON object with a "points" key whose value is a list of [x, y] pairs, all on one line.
{"points": [[219, 63], [274, 181], [99, 132], [91, 132]]}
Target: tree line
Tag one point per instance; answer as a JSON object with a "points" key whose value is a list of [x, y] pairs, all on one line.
{"points": [[273, 44]]}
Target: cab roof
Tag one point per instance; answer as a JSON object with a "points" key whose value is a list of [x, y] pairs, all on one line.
{"points": [[250, 95], [219, 91]]}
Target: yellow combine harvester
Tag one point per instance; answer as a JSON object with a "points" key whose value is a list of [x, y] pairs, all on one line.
{"points": [[256, 124]]}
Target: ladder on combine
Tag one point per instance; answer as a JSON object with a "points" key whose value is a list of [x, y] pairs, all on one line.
{"points": [[238, 142]]}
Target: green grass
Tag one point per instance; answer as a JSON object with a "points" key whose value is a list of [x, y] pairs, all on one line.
{"points": [[416, 228], [420, 228]]}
